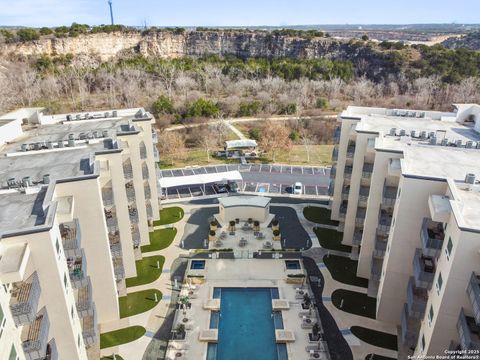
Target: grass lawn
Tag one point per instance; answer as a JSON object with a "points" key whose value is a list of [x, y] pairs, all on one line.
{"points": [[377, 357], [331, 239], [147, 271], [117, 357], [375, 338], [159, 239], [122, 336], [318, 215], [354, 302], [169, 215], [344, 270], [138, 302]]}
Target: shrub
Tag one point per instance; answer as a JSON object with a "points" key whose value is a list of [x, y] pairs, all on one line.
{"points": [[322, 103], [7, 35], [27, 35], [212, 233], [289, 109], [294, 135], [276, 232], [203, 108], [45, 31], [254, 134], [365, 38], [248, 108], [163, 105]]}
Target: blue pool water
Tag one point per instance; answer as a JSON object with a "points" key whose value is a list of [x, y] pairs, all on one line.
{"points": [[246, 325], [197, 264], [293, 264]]}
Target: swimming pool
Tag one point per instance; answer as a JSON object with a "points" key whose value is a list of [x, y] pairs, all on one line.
{"points": [[246, 325], [292, 264], [197, 265]]}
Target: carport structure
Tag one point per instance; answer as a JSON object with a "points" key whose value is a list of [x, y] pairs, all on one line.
{"points": [[199, 180]]}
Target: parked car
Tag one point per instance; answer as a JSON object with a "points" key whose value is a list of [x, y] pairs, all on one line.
{"points": [[232, 186], [298, 188], [220, 188]]}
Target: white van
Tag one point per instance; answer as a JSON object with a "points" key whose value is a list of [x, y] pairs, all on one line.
{"points": [[298, 188]]}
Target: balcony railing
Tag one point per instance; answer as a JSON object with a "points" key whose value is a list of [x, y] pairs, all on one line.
{"points": [[345, 192], [154, 137], [107, 196], [115, 245], [118, 268], [145, 174], [384, 223], [83, 299], [111, 220], [90, 328], [127, 171], [342, 212], [380, 248], [24, 298], [77, 268], [156, 155], [432, 236], [51, 352], [468, 332], [133, 214], [423, 270], [360, 217], [35, 336], [336, 135], [333, 172], [350, 151], [357, 237], [70, 233], [331, 188], [416, 300], [149, 211], [363, 196], [367, 171], [130, 192], [376, 271], [143, 152], [473, 292], [410, 328], [147, 191], [347, 173], [389, 195]]}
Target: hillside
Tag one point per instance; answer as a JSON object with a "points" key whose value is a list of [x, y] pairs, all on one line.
{"points": [[469, 41]]}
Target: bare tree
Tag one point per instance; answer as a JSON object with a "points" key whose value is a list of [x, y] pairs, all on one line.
{"points": [[210, 137], [171, 146], [275, 138], [307, 139]]}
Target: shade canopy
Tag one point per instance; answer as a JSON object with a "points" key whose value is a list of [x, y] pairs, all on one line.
{"points": [[200, 179], [244, 143]]}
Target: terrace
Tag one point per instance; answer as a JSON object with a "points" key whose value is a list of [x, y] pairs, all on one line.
{"points": [[70, 233], [118, 268], [389, 196], [376, 271], [432, 235], [363, 196], [34, 336], [416, 300], [410, 328], [25, 296], [473, 292], [423, 269], [107, 196], [384, 223], [83, 299], [90, 328], [468, 332], [77, 268], [367, 171]]}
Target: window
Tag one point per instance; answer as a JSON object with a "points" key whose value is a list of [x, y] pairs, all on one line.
{"points": [[445, 227], [439, 283], [57, 246], [71, 312], [423, 342], [13, 353], [430, 315], [399, 191], [78, 340], [65, 280], [449, 248]]}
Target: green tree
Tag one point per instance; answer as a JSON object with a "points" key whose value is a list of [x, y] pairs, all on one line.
{"points": [[62, 31], [248, 108], [203, 108], [163, 105], [321, 103], [27, 35], [365, 38], [77, 29], [294, 135], [7, 35], [45, 31], [254, 134], [289, 109]]}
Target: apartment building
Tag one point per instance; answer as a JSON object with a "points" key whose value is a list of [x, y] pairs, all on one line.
{"points": [[77, 195], [405, 190]]}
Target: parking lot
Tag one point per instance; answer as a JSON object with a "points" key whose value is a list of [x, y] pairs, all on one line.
{"points": [[265, 178]]}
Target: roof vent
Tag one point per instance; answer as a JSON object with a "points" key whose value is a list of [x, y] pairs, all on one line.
{"points": [[26, 181], [46, 179], [393, 131], [470, 178]]}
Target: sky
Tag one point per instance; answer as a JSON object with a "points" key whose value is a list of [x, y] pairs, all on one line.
{"points": [[39, 13]]}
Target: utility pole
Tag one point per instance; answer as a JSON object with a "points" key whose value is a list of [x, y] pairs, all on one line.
{"points": [[111, 10]]}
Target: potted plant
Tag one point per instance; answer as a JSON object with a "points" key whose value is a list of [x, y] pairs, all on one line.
{"points": [[276, 235], [250, 220], [213, 225], [306, 302], [275, 225], [256, 225], [185, 303], [180, 332], [314, 336], [212, 235], [232, 225]]}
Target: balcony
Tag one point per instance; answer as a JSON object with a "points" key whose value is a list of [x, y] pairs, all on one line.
{"points": [[376, 270], [384, 223], [128, 171], [423, 270], [410, 328], [333, 172], [432, 235], [133, 214], [363, 196], [52, 352], [345, 192], [83, 299], [335, 153], [468, 332], [350, 151], [145, 174], [70, 233], [347, 173], [389, 196], [149, 211], [115, 245], [394, 167], [24, 297], [360, 218], [143, 152], [154, 136], [90, 328], [336, 135], [35, 336], [357, 237], [130, 192], [342, 212], [147, 191], [118, 269], [473, 292], [367, 171], [370, 145], [111, 220], [331, 188], [416, 300], [380, 248], [77, 269], [107, 196]]}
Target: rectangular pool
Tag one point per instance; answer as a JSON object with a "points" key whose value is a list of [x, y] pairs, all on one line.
{"points": [[292, 264], [197, 265], [246, 325]]}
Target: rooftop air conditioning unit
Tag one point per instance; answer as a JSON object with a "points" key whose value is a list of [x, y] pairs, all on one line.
{"points": [[26, 181], [71, 136], [444, 142], [24, 147], [46, 179], [107, 114], [60, 144], [82, 136], [69, 117], [393, 131], [402, 132], [71, 143], [431, 134], [458, 143], [469, 144], [433, 140], [11, 183], [105, 133], [423, 134], [413, 134], [114, 113], [49, 145], [470, 178]]}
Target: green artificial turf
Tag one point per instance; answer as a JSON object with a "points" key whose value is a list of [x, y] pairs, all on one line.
{"points": [[331, 239], [344, 270], [138, 302], [147, 270], [121, 336], [319, 215], [159, 240], [375, 338], [169, 215], [355, 303]]}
